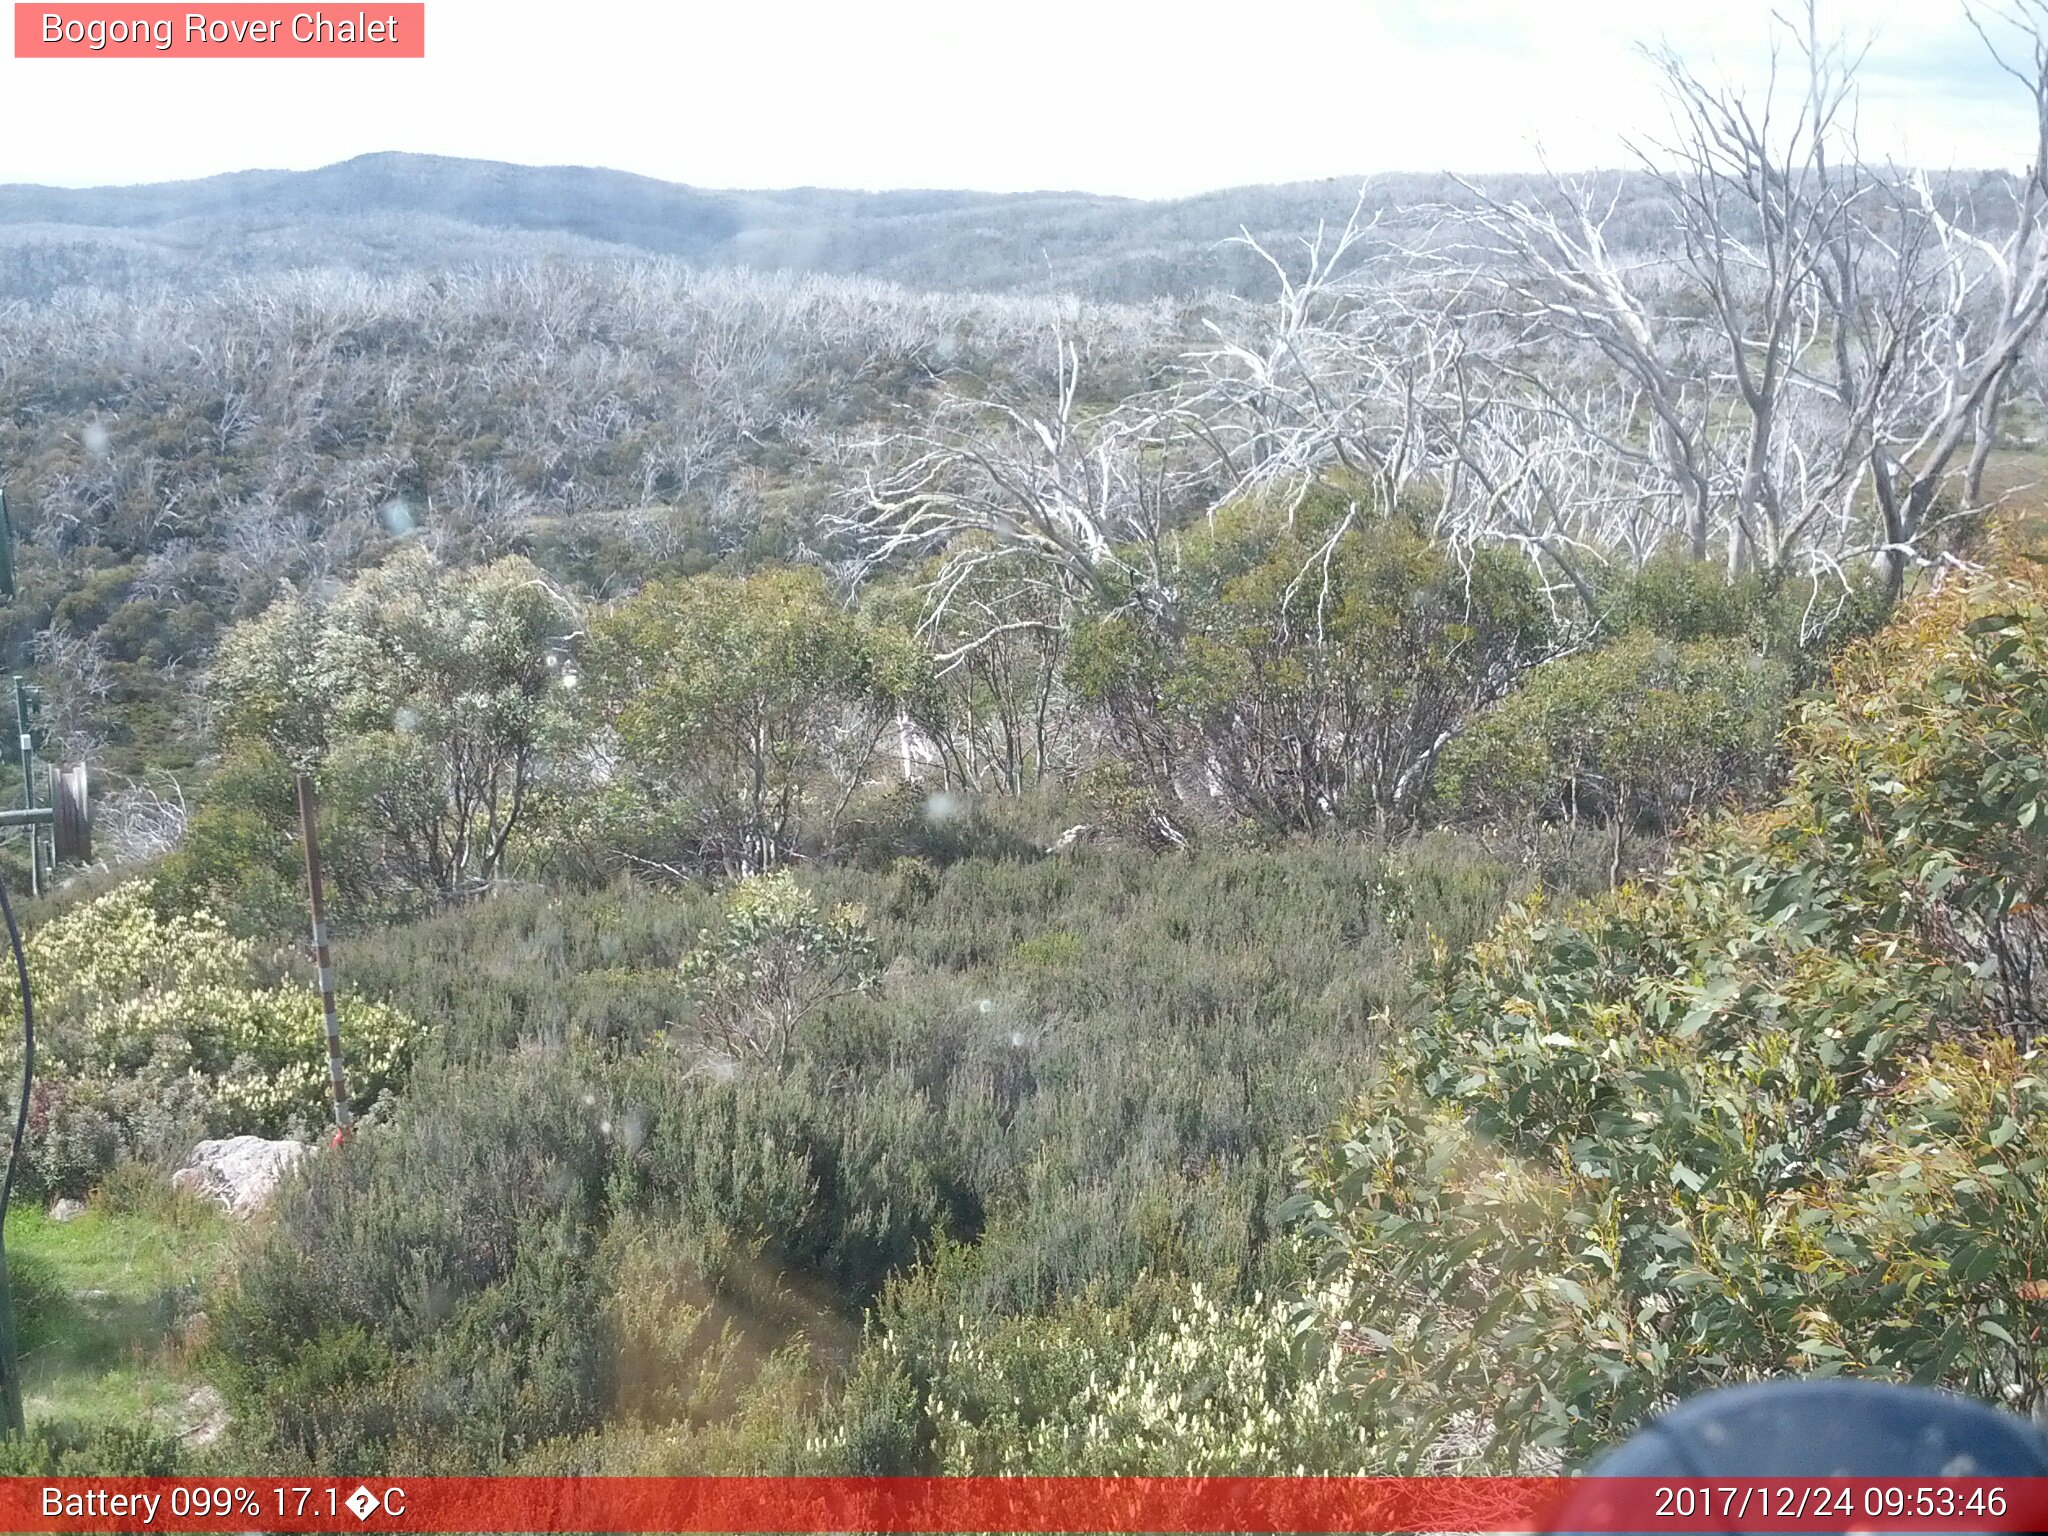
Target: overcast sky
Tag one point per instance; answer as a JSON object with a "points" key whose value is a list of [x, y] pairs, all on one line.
{"points": [[1124, 96]]}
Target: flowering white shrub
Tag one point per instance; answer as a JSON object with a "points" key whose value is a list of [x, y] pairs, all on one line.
{"points": [[1212, 1389], [153, 1031]]}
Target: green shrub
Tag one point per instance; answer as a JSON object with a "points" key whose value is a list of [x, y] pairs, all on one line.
{"points": [[1313, 664], [1781, 1114], [427, 1300], [776, 960], [60, 1448], [1642, 730], [1675, 597], [241, 856], [428, 699], [744, 709], [1089, 1066], [1800, 624], [1167, 1380], [39, 1298]]}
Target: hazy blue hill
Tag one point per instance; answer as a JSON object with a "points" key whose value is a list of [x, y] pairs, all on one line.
{"points": [[609, 205], [391, 211]]}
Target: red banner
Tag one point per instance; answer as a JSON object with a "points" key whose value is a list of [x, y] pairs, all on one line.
{"points": [[223, 31], [1023, 1504]]}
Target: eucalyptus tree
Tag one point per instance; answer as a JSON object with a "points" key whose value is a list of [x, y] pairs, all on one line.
{"points": [[431, 699], [745, 712], [1044, 492]]}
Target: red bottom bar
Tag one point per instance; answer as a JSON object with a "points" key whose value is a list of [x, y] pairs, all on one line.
{"points": [[1023, 1504]]}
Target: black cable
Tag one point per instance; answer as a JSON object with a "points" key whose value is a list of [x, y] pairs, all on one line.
{"points": [[10, 1376], [28, 1057]]}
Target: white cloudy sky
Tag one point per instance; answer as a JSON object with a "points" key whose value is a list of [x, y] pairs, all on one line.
{"points": [[1140, 97]]}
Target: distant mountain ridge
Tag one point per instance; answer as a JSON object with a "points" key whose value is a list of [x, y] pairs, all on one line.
{"points": [[478, 192], [384, 212]]}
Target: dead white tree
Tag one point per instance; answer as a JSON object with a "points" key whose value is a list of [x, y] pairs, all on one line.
{"points": [[1824, 350], [75, 682], [1349, 367], [1053, 495], [141, 819]]}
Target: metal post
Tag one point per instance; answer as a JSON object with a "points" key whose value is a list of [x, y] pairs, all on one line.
{"points": [[308, 814], [12, 1419], [28, 787]]}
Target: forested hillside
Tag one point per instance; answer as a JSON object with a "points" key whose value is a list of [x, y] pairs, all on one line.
{"points": [[171, 462], [389, 214], [1381, 869]]}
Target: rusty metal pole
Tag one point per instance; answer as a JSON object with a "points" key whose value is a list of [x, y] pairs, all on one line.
{"points": [[308, 814]]}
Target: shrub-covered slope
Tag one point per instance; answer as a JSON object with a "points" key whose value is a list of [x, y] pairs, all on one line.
{"points": [[1784, 1112], [580, 1238], [1781, 1113]]}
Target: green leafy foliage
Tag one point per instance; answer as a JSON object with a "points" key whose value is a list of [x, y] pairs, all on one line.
{"points": [[241, 854], [1314, 665], [427, 700], [432, 1302], [988, 692], [776, 961], [1165, 1380], [1802, 624], [57, 1448], [741, 708], [1642, 729], [1087, 1067]]}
